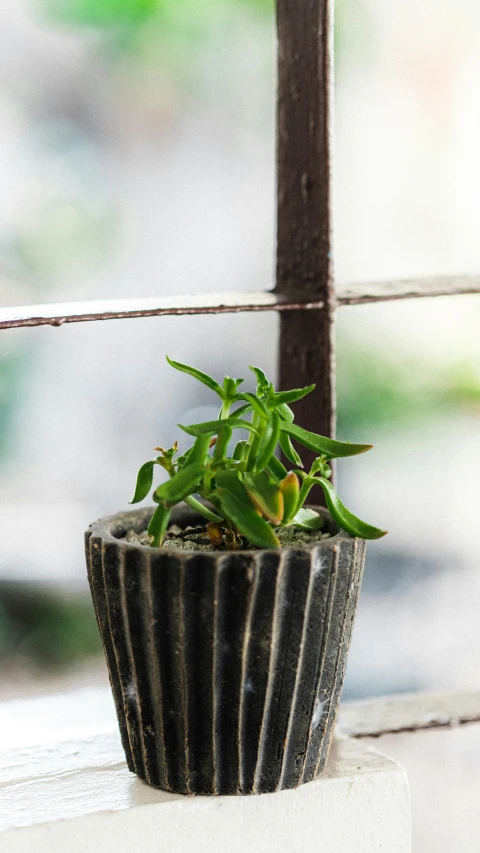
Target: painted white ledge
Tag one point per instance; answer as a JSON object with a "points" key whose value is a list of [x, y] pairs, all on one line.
{"points": [[64, 785]]}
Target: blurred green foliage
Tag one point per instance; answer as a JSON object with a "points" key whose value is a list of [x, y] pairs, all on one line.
{"points": [[356, 35], [380, 388], [166, 36], [64, 238], [45, 630], [102, 13], [14, 368], [354, 26], [132, 13]]}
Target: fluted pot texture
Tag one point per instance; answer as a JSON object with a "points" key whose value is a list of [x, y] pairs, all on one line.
{"points": [[226, 667]]}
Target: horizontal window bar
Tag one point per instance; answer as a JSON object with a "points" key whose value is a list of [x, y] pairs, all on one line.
{"points": [[409, 712], [381, 291], [121, 309], [230, 303]]}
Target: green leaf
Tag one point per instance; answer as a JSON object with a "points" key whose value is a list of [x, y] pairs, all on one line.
{"points": [[199, 451], [223, 440], [144, 482], [320, 444], [262, 381], [265, 494], [158, 525], [214, 427], [268, 444], [202, 509], [254, 403], [276, 469], [308, 519], [283, 397], [345, 518], [290, 489], [181, 484], [230, 480], [285, 413], [182, 460], [230, 387], [242, 410], [240, 451], [197, 374], [288, 448], [242, 513]]}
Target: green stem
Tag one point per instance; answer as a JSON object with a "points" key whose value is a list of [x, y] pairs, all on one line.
{"points": [[225, 410], [225, 435], [199, 450], [158, 525], [202, 509], [308, 484], [253, 443]]}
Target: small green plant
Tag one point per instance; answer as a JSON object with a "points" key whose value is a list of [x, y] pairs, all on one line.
{"points": [[251, 492]]}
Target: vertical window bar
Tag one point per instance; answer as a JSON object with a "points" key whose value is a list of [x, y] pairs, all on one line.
{"points": [[304, 257]]}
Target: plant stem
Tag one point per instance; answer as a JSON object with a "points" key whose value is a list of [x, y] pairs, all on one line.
{"points": [[224, 435], [202, 510], [308, 484], [253, 443]]}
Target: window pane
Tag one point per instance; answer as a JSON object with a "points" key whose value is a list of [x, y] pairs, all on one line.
{"points": [[136, 148], [409, 382], [407, 171]]}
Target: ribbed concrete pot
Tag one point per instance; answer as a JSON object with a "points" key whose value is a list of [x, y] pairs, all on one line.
{"points": [[226, 668]]}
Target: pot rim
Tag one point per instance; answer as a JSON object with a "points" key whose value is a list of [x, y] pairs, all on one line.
{"points": [[102, 528]]}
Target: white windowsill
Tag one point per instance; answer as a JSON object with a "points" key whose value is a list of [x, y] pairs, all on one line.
{"points": [[64, 785]]}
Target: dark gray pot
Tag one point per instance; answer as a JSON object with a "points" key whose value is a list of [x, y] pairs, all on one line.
{"points": [[226, 668]]}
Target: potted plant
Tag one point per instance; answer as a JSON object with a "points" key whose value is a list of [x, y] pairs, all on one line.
{"points": [[226, 613]]}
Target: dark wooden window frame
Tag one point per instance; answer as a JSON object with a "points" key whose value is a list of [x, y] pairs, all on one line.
{"points": [[305, 295]]}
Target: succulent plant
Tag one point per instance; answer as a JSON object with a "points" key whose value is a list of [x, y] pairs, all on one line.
{"points": [[249, 493]]}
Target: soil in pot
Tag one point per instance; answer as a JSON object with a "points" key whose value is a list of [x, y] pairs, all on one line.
{"points": [[197, 538]]}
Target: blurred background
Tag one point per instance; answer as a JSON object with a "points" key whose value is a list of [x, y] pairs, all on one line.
{"points": [[137, 159]]}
